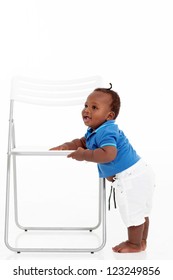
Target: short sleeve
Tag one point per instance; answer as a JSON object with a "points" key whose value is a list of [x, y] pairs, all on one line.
{"points": [[107, 138]]}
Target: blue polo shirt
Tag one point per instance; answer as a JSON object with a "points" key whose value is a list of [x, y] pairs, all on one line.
{"points": [[108, 134]]}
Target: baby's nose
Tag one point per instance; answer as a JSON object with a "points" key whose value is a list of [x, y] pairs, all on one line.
{"points": [[86, 110]]}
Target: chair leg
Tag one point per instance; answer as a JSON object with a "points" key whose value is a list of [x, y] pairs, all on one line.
{"points": [[15, 194], [7, 204], [102, 218], [26, 228]]}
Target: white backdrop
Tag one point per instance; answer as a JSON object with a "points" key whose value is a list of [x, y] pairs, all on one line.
{"points": [[128, 43]]}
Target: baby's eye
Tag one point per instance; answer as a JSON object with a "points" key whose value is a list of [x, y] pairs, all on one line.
{"points": [[85, 106], [94, 107]]}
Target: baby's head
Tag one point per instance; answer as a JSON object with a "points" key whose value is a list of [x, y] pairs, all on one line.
{"points": [[101, 105], [116, 103]]}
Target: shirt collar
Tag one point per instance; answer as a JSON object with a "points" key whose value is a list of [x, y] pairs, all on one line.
{"points": [[105, 124]]}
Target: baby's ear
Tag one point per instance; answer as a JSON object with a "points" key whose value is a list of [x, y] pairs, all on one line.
{"points": [[111, 116]]}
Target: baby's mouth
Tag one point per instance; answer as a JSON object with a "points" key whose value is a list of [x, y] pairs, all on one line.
{"points": [[86, 118]]}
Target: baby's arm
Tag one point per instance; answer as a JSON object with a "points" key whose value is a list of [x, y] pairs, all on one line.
{"points": [[73, 145], [99, 155]]}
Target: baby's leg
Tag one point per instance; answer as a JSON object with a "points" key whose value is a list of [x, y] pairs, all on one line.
{"points": [[134, 242], [145, 233], [137, 239]]}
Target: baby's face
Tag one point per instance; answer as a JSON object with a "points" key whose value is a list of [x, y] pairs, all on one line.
{"points": [[97, 109]]}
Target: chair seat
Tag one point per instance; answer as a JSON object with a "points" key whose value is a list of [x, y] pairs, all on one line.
{"points": [[38, 151]]}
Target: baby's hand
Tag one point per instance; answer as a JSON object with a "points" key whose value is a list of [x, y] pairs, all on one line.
{"points": [[78, 154], [61, 147]]}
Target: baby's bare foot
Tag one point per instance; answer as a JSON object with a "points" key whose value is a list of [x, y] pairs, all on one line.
{"points": [[127, 247]]}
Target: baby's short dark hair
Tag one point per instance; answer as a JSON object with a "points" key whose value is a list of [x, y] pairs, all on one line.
{"points": [[116, 103]]}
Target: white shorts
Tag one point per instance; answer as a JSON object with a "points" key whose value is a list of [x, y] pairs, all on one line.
{"points": [[134, 192]]}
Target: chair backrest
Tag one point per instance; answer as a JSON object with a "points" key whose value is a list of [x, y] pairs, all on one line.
{"points": [[53, 93], [64, 100]]}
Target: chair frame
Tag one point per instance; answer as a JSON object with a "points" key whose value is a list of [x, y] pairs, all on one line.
{"points": [[12, 153]]}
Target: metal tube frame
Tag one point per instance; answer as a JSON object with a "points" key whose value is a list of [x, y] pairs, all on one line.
{"points": [[11, 155]]}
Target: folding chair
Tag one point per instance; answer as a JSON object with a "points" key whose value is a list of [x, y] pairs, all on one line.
{"points": [[56, 93]]}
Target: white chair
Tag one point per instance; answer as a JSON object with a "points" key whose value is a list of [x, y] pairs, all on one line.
{"points": [[49, 93]]}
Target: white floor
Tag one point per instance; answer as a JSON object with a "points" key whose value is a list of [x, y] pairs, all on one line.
{"points": [[155, 251]]}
